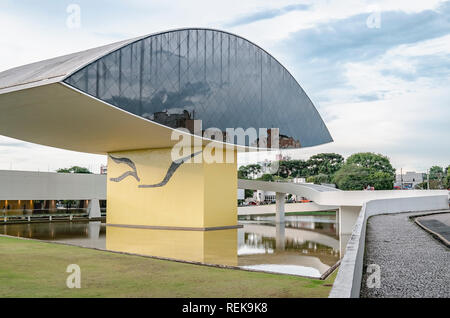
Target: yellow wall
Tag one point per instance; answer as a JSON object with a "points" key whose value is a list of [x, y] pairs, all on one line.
{"points": [[212, 247], [197, 195]]}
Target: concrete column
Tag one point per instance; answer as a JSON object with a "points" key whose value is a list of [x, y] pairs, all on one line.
{"points": [[94, 230], [280, 237], [94, 208], [347, 219], [337, 222], [279, 216], [52, 205]]}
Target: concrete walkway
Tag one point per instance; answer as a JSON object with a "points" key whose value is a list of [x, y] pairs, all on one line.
{"points": [[412, 262], [438, 225]]}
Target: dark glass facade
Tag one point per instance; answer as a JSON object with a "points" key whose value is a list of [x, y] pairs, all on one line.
{"points": [[221, 79]]}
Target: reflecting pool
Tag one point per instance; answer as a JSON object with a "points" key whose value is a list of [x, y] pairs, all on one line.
{"points": [[304, 245]]}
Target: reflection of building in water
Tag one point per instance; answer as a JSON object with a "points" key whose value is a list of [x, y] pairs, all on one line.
{"points": [[174, 120], [283, 140], [288, 142]]}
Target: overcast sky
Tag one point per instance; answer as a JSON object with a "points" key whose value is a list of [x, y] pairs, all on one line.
{"points": [[377, 71]]}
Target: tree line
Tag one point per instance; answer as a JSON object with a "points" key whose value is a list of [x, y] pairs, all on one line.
{"points": [[437, 178], [356, 173]]}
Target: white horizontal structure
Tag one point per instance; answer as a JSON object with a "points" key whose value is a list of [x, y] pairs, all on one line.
{"points": [[29, 185], [348, 203], [355, 207], [288, 207], [323, 195], [348, 280]]}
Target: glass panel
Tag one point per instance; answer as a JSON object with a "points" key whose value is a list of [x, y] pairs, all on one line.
{"points": [[223, 80]]}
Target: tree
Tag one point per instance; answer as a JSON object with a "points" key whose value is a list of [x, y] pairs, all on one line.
{"points": [[299, 168], [253, 170], [284, 169], [74, 169], [362, 169], [266, 177], [447, 178], [381, 180], [248, 193], [319, 179], [351, 177], [324, 163], [436, 173], [434, 185], [373, 162], [243, 172]]}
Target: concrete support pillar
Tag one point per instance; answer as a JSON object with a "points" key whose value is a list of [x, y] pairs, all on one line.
{"points": [[337, 223], [279, 216], [347, 219], [94, 230], [94, 208], [189, 199], [52, 205], [280, 237]]}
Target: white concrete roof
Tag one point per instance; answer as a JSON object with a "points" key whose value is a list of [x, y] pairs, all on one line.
{"points": [[32, 185], [52, 70]]}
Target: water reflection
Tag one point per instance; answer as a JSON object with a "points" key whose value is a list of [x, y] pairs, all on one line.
{"points": [[86, 234], [211, 247], [303, 246]]}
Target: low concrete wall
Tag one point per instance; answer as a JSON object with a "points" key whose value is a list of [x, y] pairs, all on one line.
{"points": [[30, 185], [288, 207], [330, 196], [348, 280]]}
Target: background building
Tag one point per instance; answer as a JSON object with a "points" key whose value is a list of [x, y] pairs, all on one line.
{"points": [[409, 179]]}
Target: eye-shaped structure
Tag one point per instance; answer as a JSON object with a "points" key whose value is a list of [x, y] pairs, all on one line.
{"points": [[132, 94]]}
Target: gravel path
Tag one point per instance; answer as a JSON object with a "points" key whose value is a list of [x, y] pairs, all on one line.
{"points": [[412, 262]]}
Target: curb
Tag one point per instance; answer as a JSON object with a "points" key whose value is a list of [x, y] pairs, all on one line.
{"points": [[436, 235]]}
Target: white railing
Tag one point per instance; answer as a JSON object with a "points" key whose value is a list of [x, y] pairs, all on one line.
{"points": [[348, 280]]}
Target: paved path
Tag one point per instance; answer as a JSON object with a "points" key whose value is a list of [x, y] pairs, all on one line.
{"points": [[412, 262], [438, 224]]}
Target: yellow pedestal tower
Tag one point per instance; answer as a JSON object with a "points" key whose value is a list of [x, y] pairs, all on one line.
{"points": [[182, 209]]}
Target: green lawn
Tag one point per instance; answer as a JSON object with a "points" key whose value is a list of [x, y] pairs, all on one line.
{"points": [[38, 269]]}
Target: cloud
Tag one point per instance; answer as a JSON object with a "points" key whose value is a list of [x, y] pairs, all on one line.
{"points": [[381, 90], [411, 129], [18, 155], [266, 14], [14, 144], [321, 55]]}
